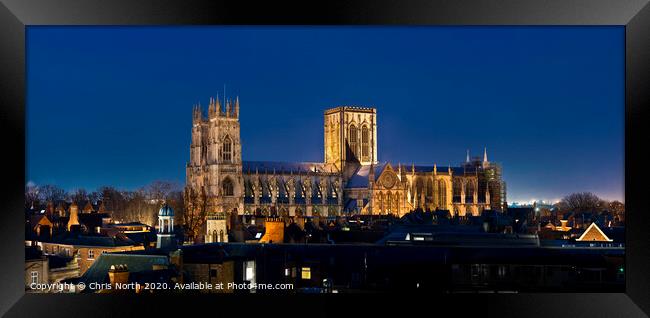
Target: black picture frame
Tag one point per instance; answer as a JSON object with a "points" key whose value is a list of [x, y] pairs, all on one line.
{"points": [[15, 15]]}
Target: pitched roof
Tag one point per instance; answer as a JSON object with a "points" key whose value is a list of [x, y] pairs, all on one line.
{"points": [[285, 167], [92, 240], [360, 177], [593, 233], [98, 271]]}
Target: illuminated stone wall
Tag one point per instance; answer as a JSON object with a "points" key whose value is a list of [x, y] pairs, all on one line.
{"points": [[274, 232], [350, 135], [215, 156]]}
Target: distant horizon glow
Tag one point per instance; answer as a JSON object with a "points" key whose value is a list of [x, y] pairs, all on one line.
{"points": [[112, 105]]}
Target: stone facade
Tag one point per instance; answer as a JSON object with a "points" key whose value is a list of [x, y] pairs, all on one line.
{"points": [[215, 157], [351, 180], [350, 135]]}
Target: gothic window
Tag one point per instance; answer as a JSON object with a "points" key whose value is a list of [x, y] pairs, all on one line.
{"points": [[227, 188], [442, 194], [365, 141], [419, 185], [429, 188], [226, 150], [221, 236], [457, 189], [469, 192], [248, 188], [353, 140], [396, 202], [389, 203], [381, 203]]}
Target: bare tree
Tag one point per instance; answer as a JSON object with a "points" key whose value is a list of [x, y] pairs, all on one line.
{"points": [[94, 197], [176, 202], [618, 210], [79, 195], [616, 207], [581, 202], [51, 193], [138, 209], [159, 190], [31, 195], [114, 202], [195, 212]]}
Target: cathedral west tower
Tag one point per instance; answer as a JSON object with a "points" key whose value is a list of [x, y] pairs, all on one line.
{"points": [[215, 157]]}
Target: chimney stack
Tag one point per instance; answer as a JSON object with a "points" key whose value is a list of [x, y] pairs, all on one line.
{"points": [[118, 274]]}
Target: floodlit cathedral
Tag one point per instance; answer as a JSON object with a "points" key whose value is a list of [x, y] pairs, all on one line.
{"points": [[351, 180]]}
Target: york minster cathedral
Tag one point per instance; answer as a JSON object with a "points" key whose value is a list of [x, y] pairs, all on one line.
{"points": [[350, 180]]}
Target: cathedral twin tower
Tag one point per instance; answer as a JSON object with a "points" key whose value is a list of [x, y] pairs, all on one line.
{"points": [[351, 180]]}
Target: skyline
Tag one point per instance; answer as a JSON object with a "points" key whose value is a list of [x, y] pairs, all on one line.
{"points": [[119, 99]]}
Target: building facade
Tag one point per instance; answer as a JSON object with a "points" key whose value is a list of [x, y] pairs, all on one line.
{"points": [[351, 180]]}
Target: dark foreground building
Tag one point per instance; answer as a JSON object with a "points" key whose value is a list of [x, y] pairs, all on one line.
{"points": [[322, 268]]}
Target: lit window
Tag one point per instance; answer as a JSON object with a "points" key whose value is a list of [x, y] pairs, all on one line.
{"points": [[91, 254], [226, 150], [364, 143], [34, 277], [249, 271], [353, 140], [305, 273]]}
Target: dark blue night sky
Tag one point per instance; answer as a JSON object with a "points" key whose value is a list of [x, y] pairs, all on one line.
{"points": [[112, 105]]}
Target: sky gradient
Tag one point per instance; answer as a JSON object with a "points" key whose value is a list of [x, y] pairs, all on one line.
{"points": [[113, 105]]}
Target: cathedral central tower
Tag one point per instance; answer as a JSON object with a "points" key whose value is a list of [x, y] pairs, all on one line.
{"points": [[350, 136]]}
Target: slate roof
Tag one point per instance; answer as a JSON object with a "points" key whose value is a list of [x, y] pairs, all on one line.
{"points": [[360, 177], [351, 205], [33, 253], [57, 261], [92, 220], [98, 271], [454, 235], [93, 240], [284, 167]]}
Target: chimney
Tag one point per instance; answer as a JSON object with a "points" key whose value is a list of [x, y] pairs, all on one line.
{"points": [[118, 274], [563, 224], [74, 218]]}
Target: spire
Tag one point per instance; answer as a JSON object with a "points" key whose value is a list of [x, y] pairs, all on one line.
{"points": [[485, 155], [228, 108], [467, 159], [237, 107], [211, 108], [435, 169], [217, 105]]}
